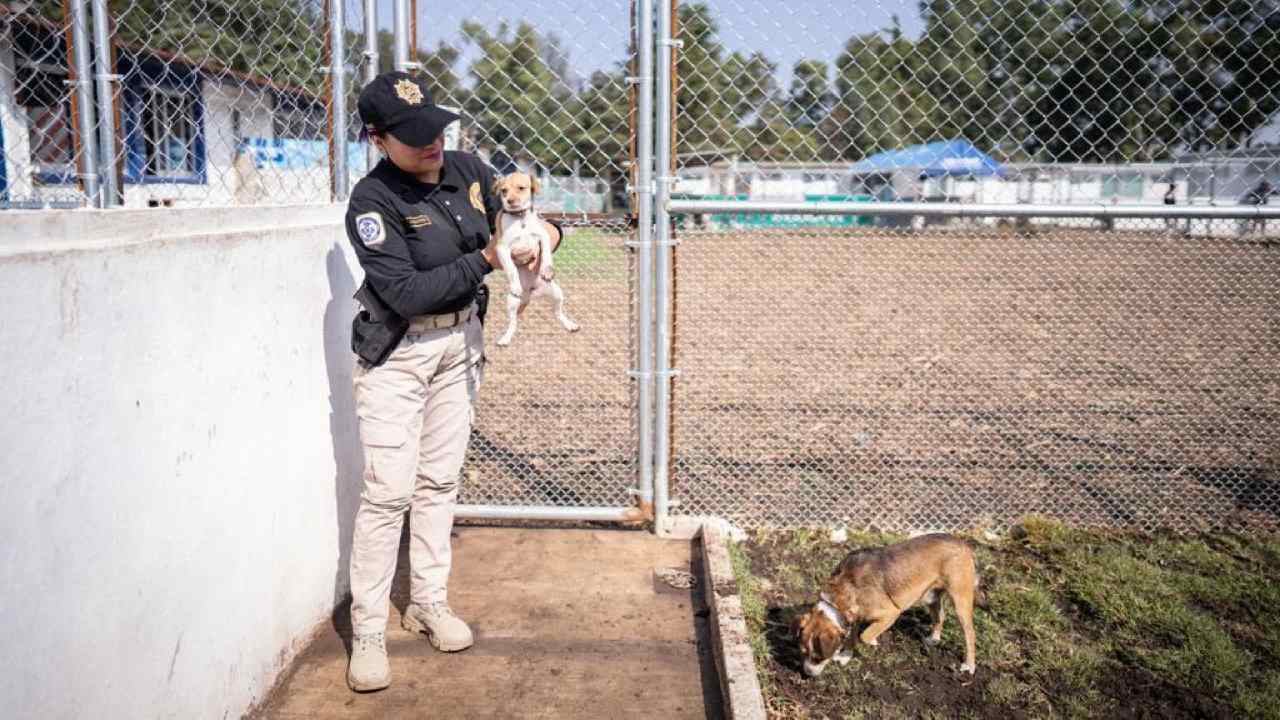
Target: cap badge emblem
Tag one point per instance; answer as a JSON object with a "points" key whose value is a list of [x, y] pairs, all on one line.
{"points": [[409, 92]]}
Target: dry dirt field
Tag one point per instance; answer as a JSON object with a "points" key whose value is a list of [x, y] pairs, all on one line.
{"points": [[896, 380]]}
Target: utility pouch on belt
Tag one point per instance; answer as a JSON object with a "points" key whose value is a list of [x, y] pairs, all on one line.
{"points": [[482, 301], [377, 329]]}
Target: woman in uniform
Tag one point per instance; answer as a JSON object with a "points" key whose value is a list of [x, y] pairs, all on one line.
{"points": [[420, 222]]}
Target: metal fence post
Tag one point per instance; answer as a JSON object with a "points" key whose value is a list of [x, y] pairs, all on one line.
{"points": [[662, 304], [400, 27], [82, 67], [371, 61], [106, 105], [644, 244], [341, 178]]}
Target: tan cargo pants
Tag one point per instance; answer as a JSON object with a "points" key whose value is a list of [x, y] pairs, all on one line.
{"points": [[415, 413]]}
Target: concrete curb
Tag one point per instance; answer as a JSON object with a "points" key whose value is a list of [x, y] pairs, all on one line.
{"points": [[739, 685]]}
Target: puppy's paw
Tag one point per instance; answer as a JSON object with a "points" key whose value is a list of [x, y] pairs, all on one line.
{"points": [[932, 641], [965, 668], [874, 642], [504, 341], [843, 657], [548, 274], [517, 291], [572, 326]]}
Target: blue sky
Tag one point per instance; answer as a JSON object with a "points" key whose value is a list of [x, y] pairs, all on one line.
{"points": [[595, 33]]}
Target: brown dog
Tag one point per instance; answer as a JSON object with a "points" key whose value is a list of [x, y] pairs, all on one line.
{"points": [[875, 585]]}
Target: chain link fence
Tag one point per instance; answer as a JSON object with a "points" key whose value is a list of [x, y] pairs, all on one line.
{"points": [[229, 103], [924, 372], [37, 124], [547, 93], [221, 103], [867, 368]]}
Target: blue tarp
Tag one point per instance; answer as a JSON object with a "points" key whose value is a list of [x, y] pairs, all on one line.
{"points": [[953, 157]]}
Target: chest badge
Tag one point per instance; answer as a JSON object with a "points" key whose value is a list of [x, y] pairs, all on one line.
{"points": [[477, 201]]}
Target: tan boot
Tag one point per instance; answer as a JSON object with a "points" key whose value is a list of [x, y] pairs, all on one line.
{"points": [[446, 631], [368, 669]]}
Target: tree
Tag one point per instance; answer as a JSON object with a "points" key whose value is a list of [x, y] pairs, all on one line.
{"points": [[1103, 80], [810, 97], [276, 39], [882, 100], [720, 93], [600, 133], [513, 101]]}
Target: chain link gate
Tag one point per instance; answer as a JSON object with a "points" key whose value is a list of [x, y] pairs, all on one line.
{"points": [[932, 282], [557, 432]]}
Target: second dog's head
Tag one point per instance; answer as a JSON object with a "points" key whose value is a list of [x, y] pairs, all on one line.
{"points": [[821, 632], [516, 191]]}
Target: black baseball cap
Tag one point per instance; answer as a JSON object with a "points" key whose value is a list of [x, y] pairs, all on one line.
{"points": [[399, 103]]}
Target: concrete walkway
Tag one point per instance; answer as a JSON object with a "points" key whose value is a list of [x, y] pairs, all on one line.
{"points": [[568, 623]]}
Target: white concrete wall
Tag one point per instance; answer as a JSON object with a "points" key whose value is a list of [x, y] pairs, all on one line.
{"points": [[179, 455]]}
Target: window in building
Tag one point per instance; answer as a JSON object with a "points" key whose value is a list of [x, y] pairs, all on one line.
{"points": [[43, 93], [168, 132]]}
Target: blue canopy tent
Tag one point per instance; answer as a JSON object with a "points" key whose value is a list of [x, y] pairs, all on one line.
{"points": [[937, 159]]}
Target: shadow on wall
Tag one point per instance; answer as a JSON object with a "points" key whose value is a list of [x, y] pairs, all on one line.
{"points": [[348, 458]]}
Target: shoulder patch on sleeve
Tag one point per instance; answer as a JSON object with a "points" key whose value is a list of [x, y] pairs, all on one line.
{"points": [[370, 229]]}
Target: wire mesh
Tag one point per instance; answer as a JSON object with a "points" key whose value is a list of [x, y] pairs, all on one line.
{"points": [[916, 373], [221, 103], [981, 101], [953, 377], [38, 123], [547, 93]]}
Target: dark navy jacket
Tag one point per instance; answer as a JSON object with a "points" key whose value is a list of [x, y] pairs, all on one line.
{"points": [[420, 244]]}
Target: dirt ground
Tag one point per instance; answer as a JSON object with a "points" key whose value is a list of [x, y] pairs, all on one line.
{"points": [[555, 421], [961, 376], [944, 378], [1076, 625], [568, 623]]}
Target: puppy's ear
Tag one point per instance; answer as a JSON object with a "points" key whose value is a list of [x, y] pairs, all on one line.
{"points": [[828, 644], [534, 186], [497, 185]]}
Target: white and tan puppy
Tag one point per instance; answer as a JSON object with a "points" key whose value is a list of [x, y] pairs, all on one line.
{"points": [[519, 225]]}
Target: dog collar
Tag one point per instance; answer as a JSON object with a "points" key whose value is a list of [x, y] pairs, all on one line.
{"points": [[829, 609]]}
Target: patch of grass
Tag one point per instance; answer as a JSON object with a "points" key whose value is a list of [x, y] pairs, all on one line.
{"points": [[587, 252], [754, 610], [1076, 622], [1262, 700], [1149, 610]]}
